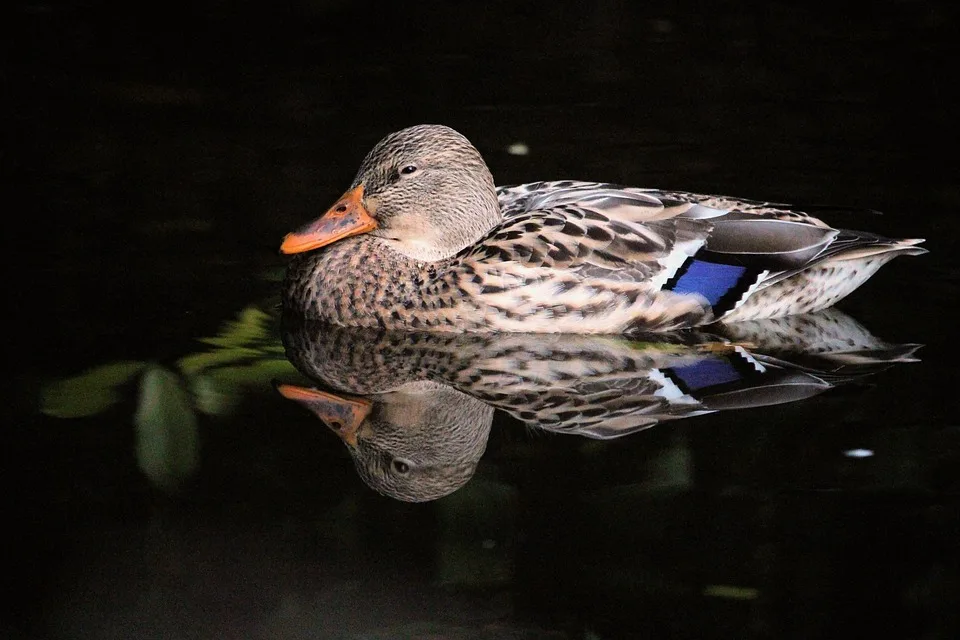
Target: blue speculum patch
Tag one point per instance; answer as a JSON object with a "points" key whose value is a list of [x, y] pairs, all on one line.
{"points": [[709, 279], [706, 373]]}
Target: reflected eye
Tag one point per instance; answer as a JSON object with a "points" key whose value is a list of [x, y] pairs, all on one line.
{"points": [[401, 466], [407, 170]]}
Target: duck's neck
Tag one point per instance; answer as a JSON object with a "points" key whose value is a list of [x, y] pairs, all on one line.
{"points": [[363, 282]]}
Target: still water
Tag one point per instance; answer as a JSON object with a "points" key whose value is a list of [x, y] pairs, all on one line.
{"points": [[179, 459]]}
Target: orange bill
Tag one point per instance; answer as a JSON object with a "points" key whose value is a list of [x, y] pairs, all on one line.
{"points": [[348, 217], [343, 415]]}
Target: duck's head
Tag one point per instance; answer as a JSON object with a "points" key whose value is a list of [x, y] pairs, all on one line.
{"points": [[424, 190]]}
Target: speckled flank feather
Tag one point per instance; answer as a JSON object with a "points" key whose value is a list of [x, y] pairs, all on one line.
{"points": [[567, 256]]}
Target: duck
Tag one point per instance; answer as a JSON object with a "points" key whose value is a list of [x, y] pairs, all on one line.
{"points": [[424, 240]]}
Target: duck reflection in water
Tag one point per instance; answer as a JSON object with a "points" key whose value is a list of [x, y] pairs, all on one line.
{"points": [[415, 409]]}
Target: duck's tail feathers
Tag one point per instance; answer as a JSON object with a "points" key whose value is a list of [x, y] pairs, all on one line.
{"points": [[865, 245]]}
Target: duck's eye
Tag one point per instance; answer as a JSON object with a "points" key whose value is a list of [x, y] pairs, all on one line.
{"points": [[401, 466], [407, 170]]}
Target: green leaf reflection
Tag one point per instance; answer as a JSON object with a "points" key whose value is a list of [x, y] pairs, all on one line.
{"points": [[166, 427], [89, 393]]}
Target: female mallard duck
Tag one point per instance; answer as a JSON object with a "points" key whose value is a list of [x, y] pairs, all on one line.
{"points": [[424, 240]]}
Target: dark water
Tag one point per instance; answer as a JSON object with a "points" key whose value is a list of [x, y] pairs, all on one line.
{"points": [[161, 487]]}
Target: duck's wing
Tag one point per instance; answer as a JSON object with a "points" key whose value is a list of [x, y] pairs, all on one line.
{"points": [[599, 230], [608, 225], [517, 199], [683, 242], [722, 248]]}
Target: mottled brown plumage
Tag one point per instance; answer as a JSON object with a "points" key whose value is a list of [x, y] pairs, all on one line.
{"points": [[424, 241]]}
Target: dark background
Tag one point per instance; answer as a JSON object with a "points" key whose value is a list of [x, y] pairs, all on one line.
{"points": [[156, 153]]}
